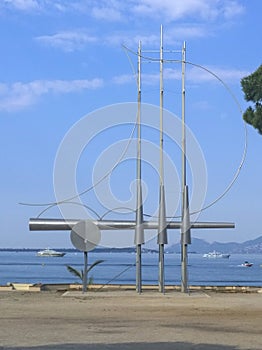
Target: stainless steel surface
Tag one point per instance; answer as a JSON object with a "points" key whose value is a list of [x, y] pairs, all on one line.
{"points": [[139, 228], [186, 237], [85, 273], [43, 224], [184, 205], [185, 227], [162, 224], [85, 235], [162, 230], [139, 225], [138, 269], [161, 269]]}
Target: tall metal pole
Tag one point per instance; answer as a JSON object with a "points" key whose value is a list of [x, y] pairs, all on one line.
{"points": [[85, 273], [183, 175], [161, 170], [139, 229], [162, 234], [185, 226]]}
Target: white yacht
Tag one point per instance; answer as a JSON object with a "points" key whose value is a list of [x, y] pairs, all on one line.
{"points": [[50, 252], [215, 255]]}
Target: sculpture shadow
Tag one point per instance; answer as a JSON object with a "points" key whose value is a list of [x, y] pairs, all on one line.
{"points": [[128, 346]]}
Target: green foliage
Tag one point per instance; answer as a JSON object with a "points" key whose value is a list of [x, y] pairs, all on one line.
{"points": [[252, 88], [80, 273], [75, 272]]}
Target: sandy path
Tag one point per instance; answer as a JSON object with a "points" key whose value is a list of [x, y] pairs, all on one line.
{"points": [[216, 321]]}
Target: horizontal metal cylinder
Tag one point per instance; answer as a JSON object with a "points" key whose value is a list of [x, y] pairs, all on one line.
{"points": [[37, 224]]}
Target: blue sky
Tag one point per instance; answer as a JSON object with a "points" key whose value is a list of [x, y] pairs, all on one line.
{"points": [[63, 60]]}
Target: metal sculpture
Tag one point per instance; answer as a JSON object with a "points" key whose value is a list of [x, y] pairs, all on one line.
{"points": [[139, 224]]}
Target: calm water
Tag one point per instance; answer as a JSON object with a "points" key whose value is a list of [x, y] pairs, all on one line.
{"points": [[118, 268]]}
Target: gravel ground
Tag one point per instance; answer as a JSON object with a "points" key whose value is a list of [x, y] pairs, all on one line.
{"points": [[126, 320]]}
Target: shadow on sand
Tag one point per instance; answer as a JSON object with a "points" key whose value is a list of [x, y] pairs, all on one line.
{"points": [[127, 346]]}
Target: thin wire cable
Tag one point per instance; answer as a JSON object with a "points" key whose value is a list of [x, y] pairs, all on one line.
{"points": [[116, 276], [130, 62], [69, 202], [52, 204], [242, 161], [93, 186], [126, 49], [115, 210]]}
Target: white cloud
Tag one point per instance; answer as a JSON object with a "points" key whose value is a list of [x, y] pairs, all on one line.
{"points": [[107, 13], [193, 18], [42, 5], [186, 31], [232, 9], [193, 75], [115, 10], [21, 95], [73, 40], [149, 79], [132, 39], [68, 40], [23, 5], [199, 75], [175, 10], [124, 79], [172, 74]]}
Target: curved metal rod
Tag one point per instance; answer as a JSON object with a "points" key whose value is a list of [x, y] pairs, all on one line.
{"points": [[114, 209], [75, 203], [242, 161]]}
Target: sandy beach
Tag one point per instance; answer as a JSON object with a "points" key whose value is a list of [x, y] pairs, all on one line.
{"points": [[126, 320]]}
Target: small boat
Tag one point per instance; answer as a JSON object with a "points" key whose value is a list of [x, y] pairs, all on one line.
{"points": [[50, 252], [216, 255], [247, 264]]}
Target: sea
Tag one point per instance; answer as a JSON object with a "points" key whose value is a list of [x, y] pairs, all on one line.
{"points": [[119, 268]]}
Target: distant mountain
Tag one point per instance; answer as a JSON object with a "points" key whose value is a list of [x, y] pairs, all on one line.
{"points": [[74, 250], [200, 246]]}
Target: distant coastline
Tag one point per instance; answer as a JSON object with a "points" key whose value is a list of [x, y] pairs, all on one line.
{"points": [[73, 250], [198, 246]]}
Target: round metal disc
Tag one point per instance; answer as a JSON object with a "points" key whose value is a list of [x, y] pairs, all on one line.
{"points": [[85, 235]]}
